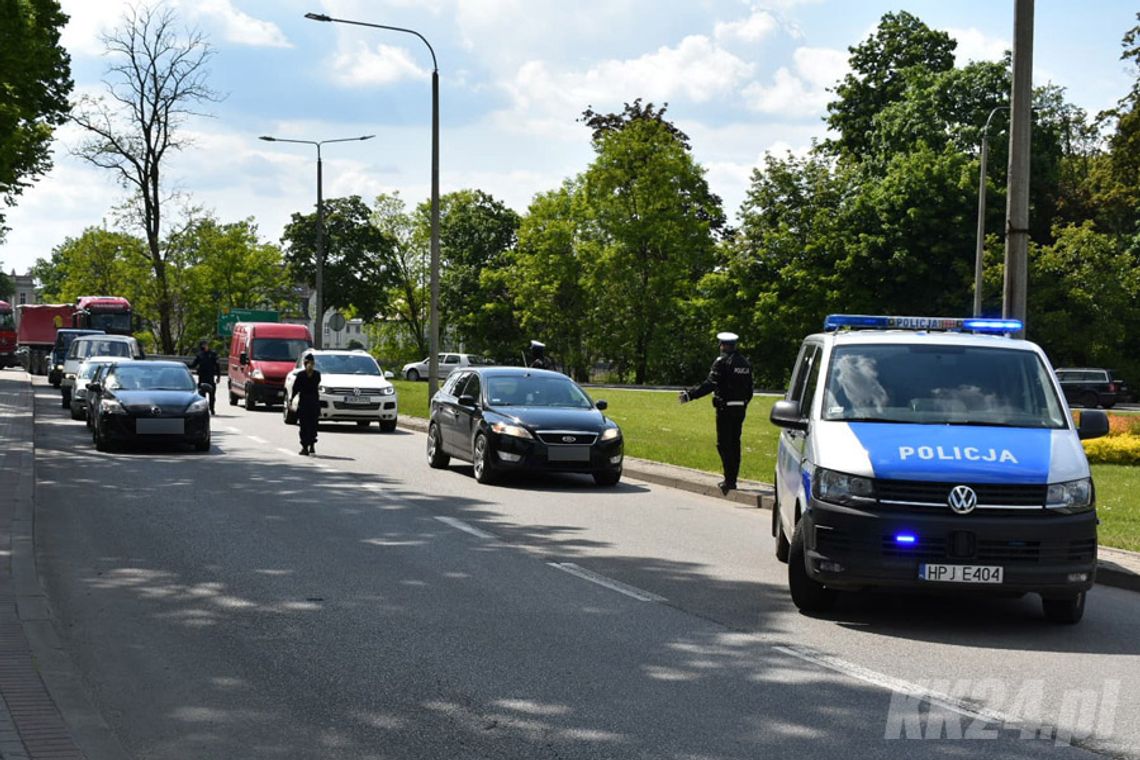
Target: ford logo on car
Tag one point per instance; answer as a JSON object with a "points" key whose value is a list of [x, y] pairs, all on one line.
{"points": [[568, 439]]}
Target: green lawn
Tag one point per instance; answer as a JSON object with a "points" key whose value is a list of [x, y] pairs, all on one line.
{"points": [[658, 428]]}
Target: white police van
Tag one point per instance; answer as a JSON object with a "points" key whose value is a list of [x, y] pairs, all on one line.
{"points": [[932, 454]]}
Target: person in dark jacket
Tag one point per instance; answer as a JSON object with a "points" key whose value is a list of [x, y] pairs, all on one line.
{"points": [[539, 359], [209, 370], [730, 382], [307, 386]]}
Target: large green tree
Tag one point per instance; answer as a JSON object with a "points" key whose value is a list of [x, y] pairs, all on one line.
{"points": [[360, 267], [35, 81], [650, 209], [402, 336]]}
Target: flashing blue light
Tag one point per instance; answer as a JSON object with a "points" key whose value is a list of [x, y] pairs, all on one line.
{"points": [[865, 321], [906, 538]]}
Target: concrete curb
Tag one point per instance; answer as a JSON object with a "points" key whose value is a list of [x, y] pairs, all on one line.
{"points": [[1115, 567]]}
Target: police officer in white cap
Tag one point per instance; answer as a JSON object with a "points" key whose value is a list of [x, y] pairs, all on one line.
{"points": [[730, 382], [539, 360]]}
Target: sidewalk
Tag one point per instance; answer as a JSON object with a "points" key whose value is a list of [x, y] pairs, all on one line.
{"points": [[1115, 567], [38, 683]]}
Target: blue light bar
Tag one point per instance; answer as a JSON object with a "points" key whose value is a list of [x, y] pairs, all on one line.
{"points": [[906, 538], [873, 322]]}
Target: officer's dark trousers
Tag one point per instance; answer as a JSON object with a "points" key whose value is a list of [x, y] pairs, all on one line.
{"points": [[308, 415], [213, 394], [729, 423]]}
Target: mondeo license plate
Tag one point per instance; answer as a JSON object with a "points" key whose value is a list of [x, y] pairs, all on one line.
{"points": [[961, 573]]}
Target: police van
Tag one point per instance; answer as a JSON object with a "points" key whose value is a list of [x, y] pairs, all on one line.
{"points": [[932, 454]]}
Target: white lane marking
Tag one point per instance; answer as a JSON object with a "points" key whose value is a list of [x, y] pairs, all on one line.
{"points": [[288, 452], [460, 525], [255, 439], [622, 588], [890, 683], [232, 429]]}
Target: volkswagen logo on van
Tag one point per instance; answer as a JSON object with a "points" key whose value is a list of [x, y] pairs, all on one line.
{"points": [[962, 499]]}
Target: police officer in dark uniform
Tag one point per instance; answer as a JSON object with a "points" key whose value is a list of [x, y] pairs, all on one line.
{"points": [[539, 359], [730, 382], [209, 370]]}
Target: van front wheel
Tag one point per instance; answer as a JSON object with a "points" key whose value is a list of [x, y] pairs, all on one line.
{"points": [[1065, 610], [250, 403], [807, 594]]}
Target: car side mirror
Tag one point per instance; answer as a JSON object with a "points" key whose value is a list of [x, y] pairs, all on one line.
{"points": [[243, 358], [389, 374], [94, 387], [468, 401], [602, 405], [1094, 424], [204, 389], [786, 414]]}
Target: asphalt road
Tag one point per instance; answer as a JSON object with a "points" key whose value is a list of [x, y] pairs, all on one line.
{"points": [[253, 603]]}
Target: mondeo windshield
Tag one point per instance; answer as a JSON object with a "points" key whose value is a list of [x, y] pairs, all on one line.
{"points": [[940, 385], [530, 390]]}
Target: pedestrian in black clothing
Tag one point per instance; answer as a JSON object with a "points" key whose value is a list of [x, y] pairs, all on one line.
{"points": [[730, 382], [307, 386], [539, 360], [209, 370]]}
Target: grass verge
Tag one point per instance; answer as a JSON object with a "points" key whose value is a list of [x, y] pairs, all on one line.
{"points": [[658, 428]]}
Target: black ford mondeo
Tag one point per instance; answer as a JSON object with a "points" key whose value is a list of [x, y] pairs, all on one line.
{"points": [[150, 401], [505, 419]]}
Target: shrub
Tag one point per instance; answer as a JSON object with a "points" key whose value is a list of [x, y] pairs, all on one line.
{"points": [[1123, 424], [1114, 449]]}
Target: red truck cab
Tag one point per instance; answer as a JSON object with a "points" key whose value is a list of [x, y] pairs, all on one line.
{"points": [[7, 335], [261, 355], [111, 314]]}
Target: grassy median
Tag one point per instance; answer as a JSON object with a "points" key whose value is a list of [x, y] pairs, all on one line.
{"points": [[656, 427]]}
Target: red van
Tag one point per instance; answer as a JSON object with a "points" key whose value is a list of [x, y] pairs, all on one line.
{"points": [[261, 355]]}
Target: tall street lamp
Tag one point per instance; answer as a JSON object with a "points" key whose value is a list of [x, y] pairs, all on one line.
{"points": [[433, 358], [319, 321], [981, 243]]}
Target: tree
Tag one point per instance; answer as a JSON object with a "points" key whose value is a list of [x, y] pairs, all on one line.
{"points": [[156, 82], [35, 79], [650, 209], [360, 259], [476, 241], [6, 284], [879, 77], [404, 336]]}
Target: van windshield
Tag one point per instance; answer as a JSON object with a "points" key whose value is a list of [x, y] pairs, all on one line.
{"points": [[941, 385], [278, 349], [6, 322]]}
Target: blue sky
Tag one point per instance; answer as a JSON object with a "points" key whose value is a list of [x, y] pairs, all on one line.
{"points": [[741, 78]]}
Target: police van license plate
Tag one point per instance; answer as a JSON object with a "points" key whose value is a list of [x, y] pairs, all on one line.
{"points": [[961, 573]]}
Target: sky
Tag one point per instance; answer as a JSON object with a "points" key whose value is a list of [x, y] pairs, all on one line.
{"points": [[741, 79]]}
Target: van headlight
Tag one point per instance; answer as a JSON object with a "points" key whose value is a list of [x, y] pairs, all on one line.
{"points": [[611, 433], [257, 375], [1070, 497], [841, 488]]}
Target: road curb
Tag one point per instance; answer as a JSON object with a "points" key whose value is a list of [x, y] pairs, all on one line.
{"points": [[1115, 567]]}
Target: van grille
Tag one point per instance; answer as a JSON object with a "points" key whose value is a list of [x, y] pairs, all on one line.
{"points": [[907, 493]]}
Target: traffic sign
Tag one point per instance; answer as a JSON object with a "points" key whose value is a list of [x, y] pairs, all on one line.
{"points": [[227, 321], [337, 321]]}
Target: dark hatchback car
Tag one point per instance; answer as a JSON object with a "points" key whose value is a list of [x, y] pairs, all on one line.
{"points": [[1090, 387], [150, 402], [513, 419]]}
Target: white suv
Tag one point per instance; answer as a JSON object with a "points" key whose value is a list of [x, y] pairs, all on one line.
{"points": [[353, 389]]}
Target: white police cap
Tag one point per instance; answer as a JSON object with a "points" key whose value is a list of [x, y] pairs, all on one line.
{"points": [[727, 337], [536, 344]]}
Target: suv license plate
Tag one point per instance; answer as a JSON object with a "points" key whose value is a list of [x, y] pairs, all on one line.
{"points": [[961, 573]]}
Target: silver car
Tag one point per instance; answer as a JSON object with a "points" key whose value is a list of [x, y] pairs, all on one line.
{"points": [[86, 373], [448, 363]]}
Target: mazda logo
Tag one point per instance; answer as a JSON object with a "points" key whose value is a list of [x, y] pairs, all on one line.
{"points": [[962, 499], [155, 411], [568, 439]]}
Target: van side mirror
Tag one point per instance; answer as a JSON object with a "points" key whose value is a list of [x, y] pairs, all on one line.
{"points": [[602, 405], [243, 358], [1094, 424], [786, 414]]}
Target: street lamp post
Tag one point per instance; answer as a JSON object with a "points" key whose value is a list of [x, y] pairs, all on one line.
{"points": [[318, 333], [981, 243], [433, 358]]}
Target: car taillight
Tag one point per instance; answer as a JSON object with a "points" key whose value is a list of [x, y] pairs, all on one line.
{"points": [[1112, 387]]}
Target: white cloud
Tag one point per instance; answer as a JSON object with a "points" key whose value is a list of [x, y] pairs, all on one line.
{"points": [[752, 29], [804, 92], [237, 26], [975, 45], [359, 64], [87, 21]]}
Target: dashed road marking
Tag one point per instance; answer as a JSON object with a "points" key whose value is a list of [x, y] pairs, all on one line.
{"points": [[622, 588], [466, 528], [257, 439]]}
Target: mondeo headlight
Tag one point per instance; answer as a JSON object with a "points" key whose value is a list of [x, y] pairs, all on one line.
{"points": [[515, 431], [611, 433], [1073, 496], [840, 488]]}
